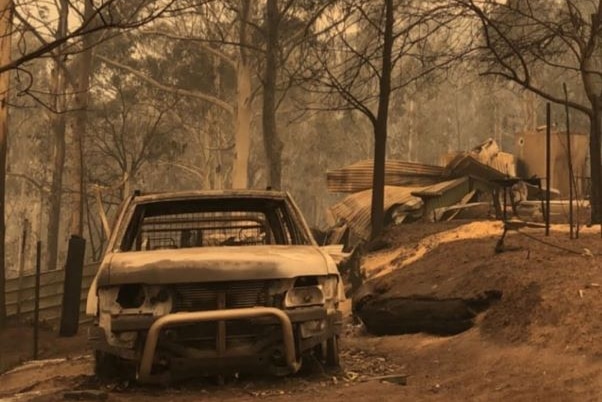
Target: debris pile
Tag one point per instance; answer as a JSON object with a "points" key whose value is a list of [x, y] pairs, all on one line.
{"points": [[470, 185], [359, 365]]}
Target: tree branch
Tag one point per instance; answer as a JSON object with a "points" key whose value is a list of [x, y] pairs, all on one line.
{"points": [[167, 88]]}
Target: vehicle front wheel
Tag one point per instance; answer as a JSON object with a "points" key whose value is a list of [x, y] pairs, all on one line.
{"points": [[108, 367]]}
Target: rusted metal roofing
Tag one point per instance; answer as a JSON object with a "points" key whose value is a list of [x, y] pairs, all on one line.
{"points": [[485, 161], [358, 176], [412, 185], [444, 194], [490, 154], [505, 163], [437, 190], [468, 165], [355, 209]]}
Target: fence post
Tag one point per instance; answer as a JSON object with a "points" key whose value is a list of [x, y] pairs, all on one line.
{"points": [[36, 310], [21, 267], [73, 286], [569, 159], [548, 173]]}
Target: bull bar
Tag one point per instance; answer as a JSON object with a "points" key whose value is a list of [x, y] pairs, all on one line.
{"points": [[150, 346]]}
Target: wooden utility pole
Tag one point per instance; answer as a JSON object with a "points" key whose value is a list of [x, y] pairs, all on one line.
{"points": [[548, 173], [36, 305], [6, 15], [595, 161], [595, 130], [569, 158], [22, 266]]}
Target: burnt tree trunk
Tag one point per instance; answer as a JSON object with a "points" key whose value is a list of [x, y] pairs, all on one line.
{"points": [[242, 143], [58, 127], [54, 213], [380, 127], [6, 9], [272, 144], [79, 128], [378, 181]]}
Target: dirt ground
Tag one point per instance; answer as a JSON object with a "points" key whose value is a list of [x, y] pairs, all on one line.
{"points": [[540, 342], [16, 344]]}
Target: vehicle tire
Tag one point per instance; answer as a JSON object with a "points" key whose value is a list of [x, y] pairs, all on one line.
{"points": [[332, 352], [108, 367], [279, 368]]}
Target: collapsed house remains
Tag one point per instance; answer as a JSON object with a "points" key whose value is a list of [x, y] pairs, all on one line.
{"points": [[467, 185], [481, 183]]}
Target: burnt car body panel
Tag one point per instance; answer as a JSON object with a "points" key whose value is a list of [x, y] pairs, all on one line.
{"points": [[214, 264], [215, 280]]}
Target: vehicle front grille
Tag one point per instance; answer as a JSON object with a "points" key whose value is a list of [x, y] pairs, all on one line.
{"points": [[205, 296]]}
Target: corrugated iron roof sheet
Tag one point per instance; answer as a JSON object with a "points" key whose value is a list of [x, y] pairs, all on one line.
{"points": [[468, 165], [355, 209], [438, 189], [487, 154], [358, 176], [504, 162]]}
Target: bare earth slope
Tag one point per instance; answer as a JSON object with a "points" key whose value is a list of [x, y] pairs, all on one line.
{"points": [[542, 340], [550, 293]]}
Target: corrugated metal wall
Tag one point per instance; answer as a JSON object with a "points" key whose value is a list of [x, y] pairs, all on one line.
{"points": [[358, 177], [355, 209], [51, 294]]}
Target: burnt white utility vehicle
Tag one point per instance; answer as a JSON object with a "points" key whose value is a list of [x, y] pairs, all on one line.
{"points": [[208, 283]]}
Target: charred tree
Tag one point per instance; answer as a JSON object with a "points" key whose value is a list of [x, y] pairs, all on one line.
{"points": [[6, 10], [58, 125], [271, 141], [371, 41], [242, 136], [81, 89], [380, 126]]}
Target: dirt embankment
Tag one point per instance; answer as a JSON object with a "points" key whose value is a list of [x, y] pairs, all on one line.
{"points": [[542, 340], [549, 288]]}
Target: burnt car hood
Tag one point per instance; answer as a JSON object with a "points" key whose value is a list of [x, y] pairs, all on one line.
{"points": [[214, 264]]}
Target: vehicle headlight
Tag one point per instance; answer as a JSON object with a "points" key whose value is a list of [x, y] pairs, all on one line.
{"points": [[135, 299], [304, 296], [131, 296], [330, 286]]}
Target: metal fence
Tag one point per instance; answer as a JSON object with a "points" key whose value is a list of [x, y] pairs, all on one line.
{"points": [[20, 294]]}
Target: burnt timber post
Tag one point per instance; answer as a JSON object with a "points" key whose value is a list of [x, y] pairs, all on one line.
{"points": [[548, 173], [36, 307], [569, 160], [72, 286]]}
